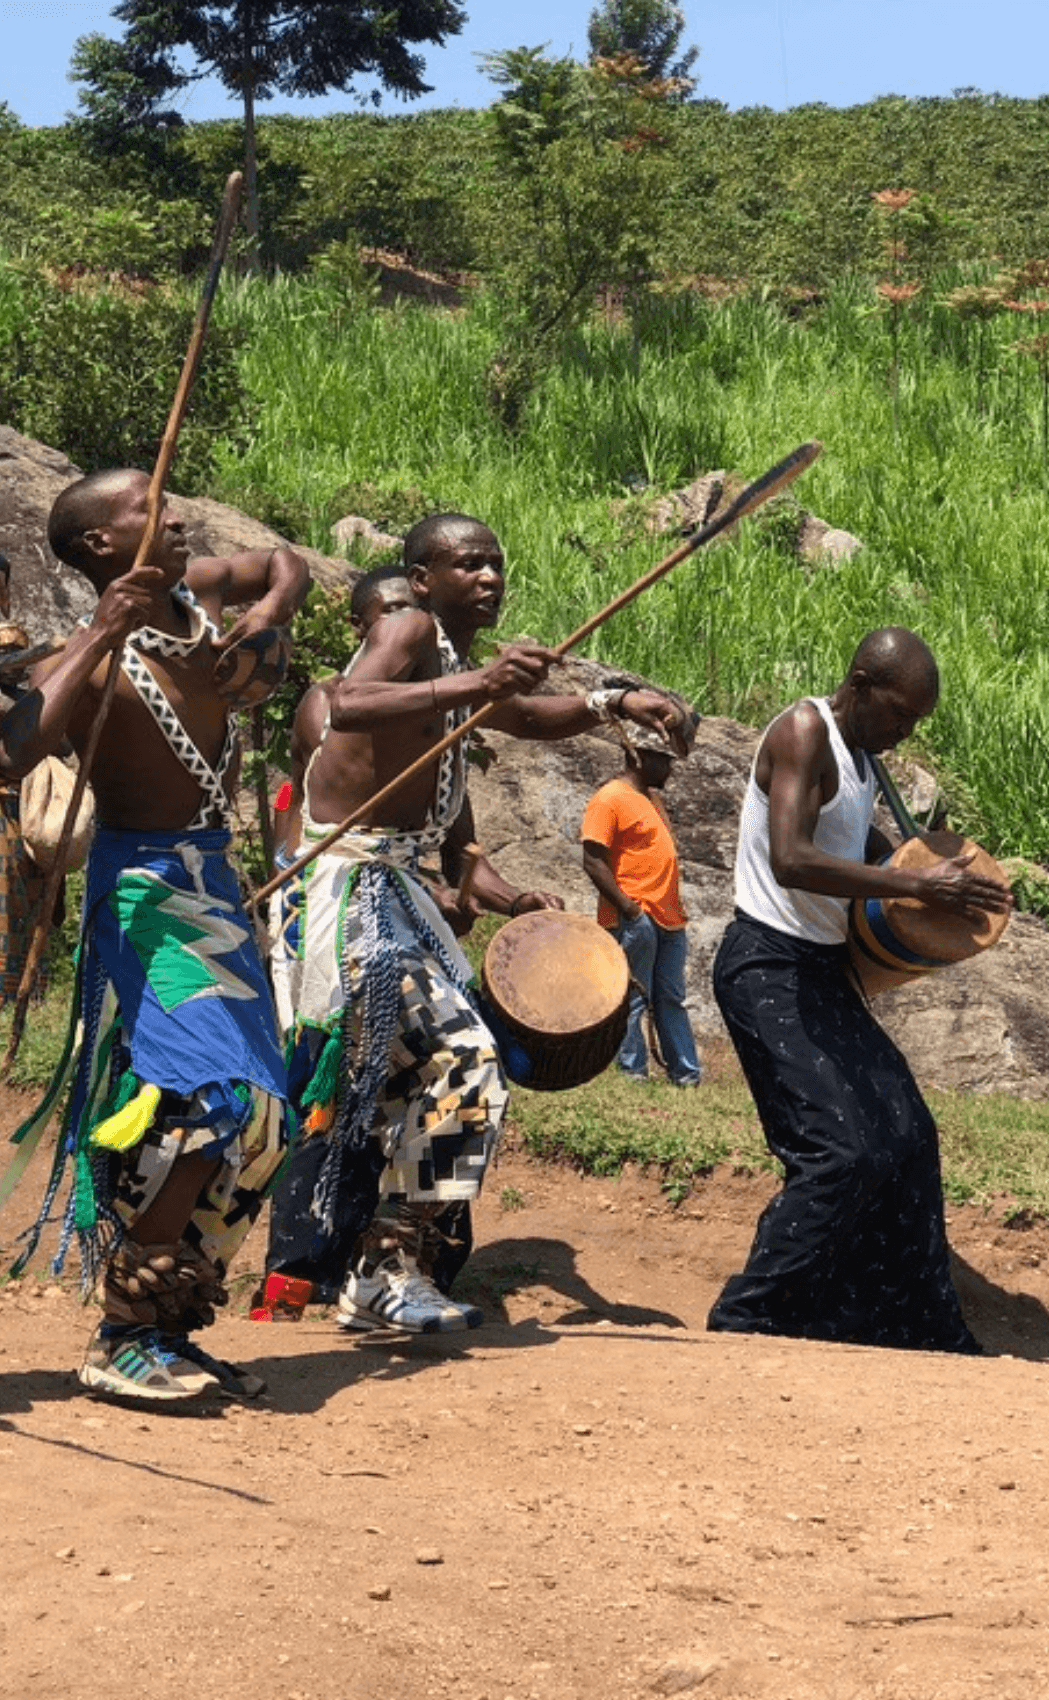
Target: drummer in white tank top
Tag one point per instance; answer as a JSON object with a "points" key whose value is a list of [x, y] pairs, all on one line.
{"points": [[806, 841], [842, 831]]}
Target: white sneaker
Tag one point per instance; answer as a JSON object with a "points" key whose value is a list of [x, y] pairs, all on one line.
{"points": [[398, 1295]]}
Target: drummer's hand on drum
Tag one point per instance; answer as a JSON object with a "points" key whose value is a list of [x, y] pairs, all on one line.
{"points": [[651, 709], [527, 902], [515, 671], [951, 885]]}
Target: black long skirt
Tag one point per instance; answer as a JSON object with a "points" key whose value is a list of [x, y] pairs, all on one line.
{"points": [[854, 1247]]}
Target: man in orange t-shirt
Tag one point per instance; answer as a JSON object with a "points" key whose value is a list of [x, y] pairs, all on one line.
{"points": [[629, 854]]}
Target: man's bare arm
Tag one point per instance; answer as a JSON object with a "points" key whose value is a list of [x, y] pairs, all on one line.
{"points": [[385, 685], [270, 583], [597, 865], [489, 891], [541, 718], [796, 753], [307, 729]]}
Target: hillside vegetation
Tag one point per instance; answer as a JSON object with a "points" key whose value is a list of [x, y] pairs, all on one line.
{"points": [[772, 196], [781, 301]]}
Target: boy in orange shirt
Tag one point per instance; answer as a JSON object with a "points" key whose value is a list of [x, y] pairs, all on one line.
{"points": [[629, 854]]}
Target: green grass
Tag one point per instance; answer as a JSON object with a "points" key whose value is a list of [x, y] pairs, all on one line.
{"points": [[611, 1122], [952, 511], [993, 1147]]}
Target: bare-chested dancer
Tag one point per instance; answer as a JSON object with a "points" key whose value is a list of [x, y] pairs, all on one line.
{"points": [[175, 1122], [390, 1054]]}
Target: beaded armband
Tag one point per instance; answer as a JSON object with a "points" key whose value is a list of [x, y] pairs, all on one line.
{"points": [[606, 705]]}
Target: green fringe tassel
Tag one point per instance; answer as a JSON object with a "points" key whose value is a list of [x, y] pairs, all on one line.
{"points": [[324, 1084], [86, 1210]]}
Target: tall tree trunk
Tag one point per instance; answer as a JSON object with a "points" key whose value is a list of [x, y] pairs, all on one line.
{"points": [[251, 175]]}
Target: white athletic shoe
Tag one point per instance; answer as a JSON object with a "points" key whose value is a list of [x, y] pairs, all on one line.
{"points": [[397, 1295]]}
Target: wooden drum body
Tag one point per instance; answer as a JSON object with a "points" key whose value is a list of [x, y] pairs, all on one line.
{"points": [[556, 989], [255, 668], [894, 941]]}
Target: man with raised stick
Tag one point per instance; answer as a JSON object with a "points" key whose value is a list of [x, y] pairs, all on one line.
{"points": [[390, 1055], [176, 1119], [854, 1247]]}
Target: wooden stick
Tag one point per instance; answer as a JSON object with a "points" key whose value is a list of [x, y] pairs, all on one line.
{"points": [[472, 854], [776, 479], [262, 796], [223, 232]]}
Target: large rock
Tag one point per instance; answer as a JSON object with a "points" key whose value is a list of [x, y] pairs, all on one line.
{"points": [[45, 597], [48, 598], [983, 1024], [355, 528]]}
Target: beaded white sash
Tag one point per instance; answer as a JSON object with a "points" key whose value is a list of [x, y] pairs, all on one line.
{"points": [[150, 640]]}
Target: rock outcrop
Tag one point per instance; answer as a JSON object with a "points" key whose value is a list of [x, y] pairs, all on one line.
{"points": [[48, 598], [816, 543]]}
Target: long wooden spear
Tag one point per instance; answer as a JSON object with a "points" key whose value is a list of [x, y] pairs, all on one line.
{"points": [[223, 232], [776, 479]]}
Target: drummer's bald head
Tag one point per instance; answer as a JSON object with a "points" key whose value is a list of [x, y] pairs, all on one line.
{"points": [[894, 656]]}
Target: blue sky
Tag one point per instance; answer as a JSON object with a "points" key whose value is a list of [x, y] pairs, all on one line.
{"points": [[752, 52]]}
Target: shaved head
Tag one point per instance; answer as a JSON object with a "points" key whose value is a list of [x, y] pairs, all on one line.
{"points": [[368, 584], [82, 507], [894, 656], [424, 538]]}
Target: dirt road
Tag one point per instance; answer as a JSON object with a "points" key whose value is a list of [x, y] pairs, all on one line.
{"points": [[588, 1499]]}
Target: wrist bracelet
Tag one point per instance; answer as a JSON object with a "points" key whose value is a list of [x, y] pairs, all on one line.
{"points": [[606, 704], [513, 906]]}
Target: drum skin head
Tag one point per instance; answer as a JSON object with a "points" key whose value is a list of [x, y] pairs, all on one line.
{"points": [[255, 668], [554, 972], [929, 937], [937, 932]]}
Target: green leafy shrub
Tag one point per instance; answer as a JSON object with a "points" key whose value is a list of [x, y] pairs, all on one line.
{"points": [[91, 368]]}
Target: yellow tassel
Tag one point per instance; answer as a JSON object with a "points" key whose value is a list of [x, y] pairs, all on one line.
{"points": [[128, 1126]]}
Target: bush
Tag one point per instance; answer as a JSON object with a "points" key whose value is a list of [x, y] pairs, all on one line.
{"points": [[91, 367]]}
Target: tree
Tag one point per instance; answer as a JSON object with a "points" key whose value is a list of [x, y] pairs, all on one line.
{"points": [[257, 48], [646, 30], [577, 185]]}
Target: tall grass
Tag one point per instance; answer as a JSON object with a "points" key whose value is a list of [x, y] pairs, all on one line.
{"points": [[952, 510]]}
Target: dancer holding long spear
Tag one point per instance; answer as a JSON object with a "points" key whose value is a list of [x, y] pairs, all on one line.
{"points": [[395, 1075], [175, 1120]]}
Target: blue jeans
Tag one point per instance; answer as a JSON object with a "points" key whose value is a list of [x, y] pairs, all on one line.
{"points": [[657, 972]]}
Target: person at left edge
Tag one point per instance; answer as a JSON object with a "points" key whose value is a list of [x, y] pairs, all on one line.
{"points": [[175, 1121]]}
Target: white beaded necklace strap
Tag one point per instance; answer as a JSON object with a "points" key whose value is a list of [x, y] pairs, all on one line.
{"points": [[451, 772], [148, 639], [210, 779], [450, 784]]}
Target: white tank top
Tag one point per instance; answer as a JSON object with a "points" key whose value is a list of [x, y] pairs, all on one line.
{"points": [[841, 830]]}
